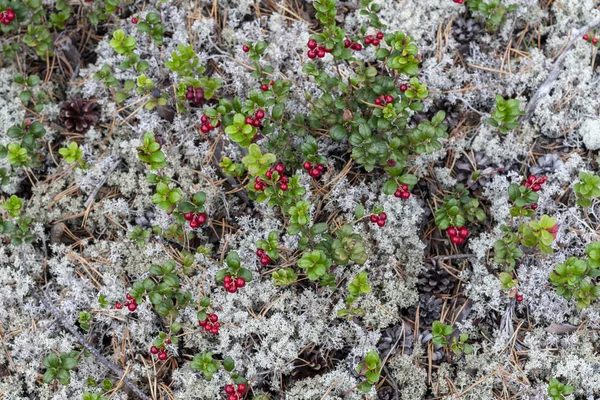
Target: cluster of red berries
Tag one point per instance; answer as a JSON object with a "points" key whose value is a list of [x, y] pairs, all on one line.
{"points": [[256, 118], [232, 394], [162, 354], [264, 258], [314, 171], [7, 16], [374, 40], [195, 95], [206, 125], [352, 45], [211, 324], [402, 192], [384, 99], [458, 1], [535, 183], [587, 38], [458, 235], [232, 284], [314, 50], [131, 303], [379, 219], [260, 185], [195, 219]]}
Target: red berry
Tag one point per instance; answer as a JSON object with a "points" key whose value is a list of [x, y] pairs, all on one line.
{"points": [[217, 325], [321, 53], [379, 35], [543, 179], [280, 168], [162, 356], [232, 289], [531, 178], [307, 165], [241, 388], [202, 323], [398, 193], [154, 350], [239, 282], [595, 41], [128, 296], [214, 331], [194, 224], [378, 101], [271, 82], [320, 167], [256, 123], [405, 195], [245, 48], [347, 43], [258, 187], [126, 303], [229, 389], [167, 341], [269, 174], [264, 87], [456, 239], [208, 327], [403, 87], [374, 218], [404, 187], [381, 222], [283, 186], [356, 46], [519, 298], [389, 99], [132, 307], [391, 163], [202, 218], [249, 120], [134, 20], [214, 318], [451, 231], [312, 44], [265, 260], [368, 39], [232, 397], [536, 187], [204, 119], [534, 206], [312, 54], [227, 280], [260, 114], [586, 37], [463, 232], [375, 42], [188, 216], [118, 306], [383, 216], [315, 173]]}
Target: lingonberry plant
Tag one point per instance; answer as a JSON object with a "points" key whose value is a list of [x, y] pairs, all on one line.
{"points": [[574, 279], [233, 276], [358, 287], [506, 114], [458, 209], [370, 369], [492, 11], [587, 189], [558, 390], [73, 154], [58, 367]]}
